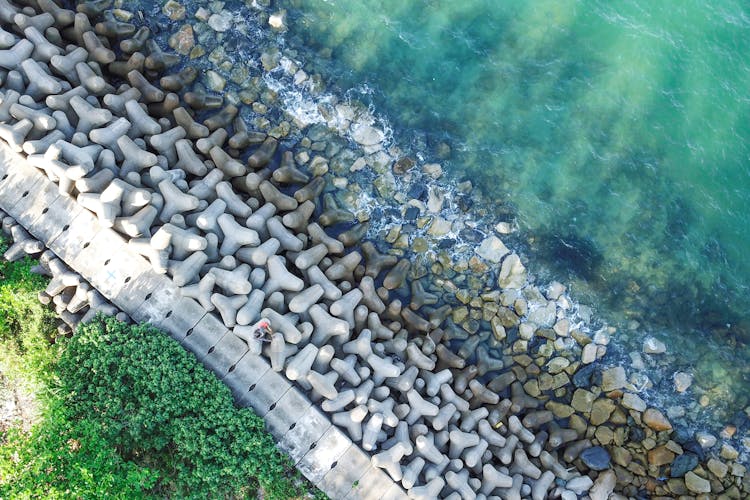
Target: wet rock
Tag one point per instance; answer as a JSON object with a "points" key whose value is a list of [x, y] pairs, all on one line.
{"points": [[601, 410], [174, 10], [697, 484], [660, 456], [654, 346], [183, 41], [728, 452], [596, 458], [705, 439], [220, 22], [582, 377], [367, 135], [403, 165], [439, 227], [683, 464], [633, 402], [656, 420], [717, 468], [492, 249], [613, 379], [433, 170], [512, 272], [544, 316], [277, 21], [682, 381], [582, 400]]}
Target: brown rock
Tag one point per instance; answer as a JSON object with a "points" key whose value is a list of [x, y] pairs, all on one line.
{"points": [[403, 165], [660, 456], [183, 41], [656, 420], [582, 400], [601, 410]]}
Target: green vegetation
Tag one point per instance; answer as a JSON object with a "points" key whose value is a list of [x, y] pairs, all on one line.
{"points": [[126, 412]]}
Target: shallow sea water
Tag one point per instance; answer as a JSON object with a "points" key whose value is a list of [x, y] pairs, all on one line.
{"points": [[618, 131]]}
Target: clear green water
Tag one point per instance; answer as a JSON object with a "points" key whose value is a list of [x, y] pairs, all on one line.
{"points": [[618, 130]]}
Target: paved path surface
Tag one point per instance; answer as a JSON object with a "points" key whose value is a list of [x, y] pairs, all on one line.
{"points": [[322, 452]]}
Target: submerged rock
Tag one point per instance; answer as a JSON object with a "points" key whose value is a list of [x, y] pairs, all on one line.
{"points": [[367, 135]]}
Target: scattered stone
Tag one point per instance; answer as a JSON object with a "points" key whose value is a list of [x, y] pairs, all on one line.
{"points": [[729, 452], [682, 381], [654, 346], [589, 354], [492, 249], [705, 439], [633, 402], [367, 135], [215, 81], [183, 41], [435, 200], [439, 227], [583, 400], [660, 456], [174, 10], [596, 458], [684, 464], [697, 484], [601, 410], [433, 170], [403, 165], [544, 316], [277, 21], [719, 469], [220, 22], [613, 379], [656, 420], [504, 227], [512, 272], [202, 14]]}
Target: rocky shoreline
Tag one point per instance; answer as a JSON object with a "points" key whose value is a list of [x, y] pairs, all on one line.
{"points": [[460, 376]]}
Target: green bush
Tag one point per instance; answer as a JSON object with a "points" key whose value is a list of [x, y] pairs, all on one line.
{"points": [[160, 408], [126, 412]]}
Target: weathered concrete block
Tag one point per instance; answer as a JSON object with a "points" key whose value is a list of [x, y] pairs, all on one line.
{"points": [[344, 477], [328, 449], [165, 301], [119, 270], [134, 293], [371, 486], [71, 240], [204, 335], [49, 225], [246, 373], [267, 391], [106, 248], [27, 209], [286, 411], [17, 184], [225, 354], [308, 429]]}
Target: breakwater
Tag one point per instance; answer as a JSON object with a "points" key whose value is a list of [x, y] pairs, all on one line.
{"points": [[239, 230]]}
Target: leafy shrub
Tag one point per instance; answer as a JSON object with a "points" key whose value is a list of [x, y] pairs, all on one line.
{"points": [[160, 408], [126, 412]]}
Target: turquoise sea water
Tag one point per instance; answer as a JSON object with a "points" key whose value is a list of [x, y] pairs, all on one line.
{"points": [[617, 130]]}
